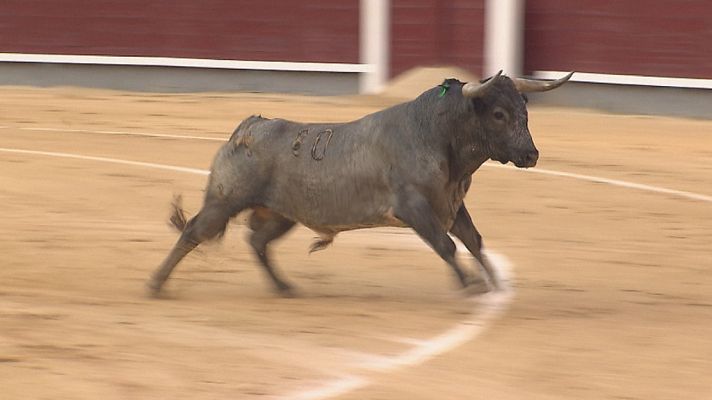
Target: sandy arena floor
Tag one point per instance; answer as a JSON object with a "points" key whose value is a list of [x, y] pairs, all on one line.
{"points": [[611, 286]]}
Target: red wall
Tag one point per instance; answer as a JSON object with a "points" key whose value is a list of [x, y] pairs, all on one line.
{"points": [[274, 30], [640, 37], [437, 32]]}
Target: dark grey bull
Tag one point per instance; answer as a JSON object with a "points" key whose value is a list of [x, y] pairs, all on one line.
{"points": [[408, 166]]}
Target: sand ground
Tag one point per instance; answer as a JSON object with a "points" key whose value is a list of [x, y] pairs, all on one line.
{"points": [[612, 285]]}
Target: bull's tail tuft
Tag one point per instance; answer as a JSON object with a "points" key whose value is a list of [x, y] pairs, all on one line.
{"points": [[178, 219]]}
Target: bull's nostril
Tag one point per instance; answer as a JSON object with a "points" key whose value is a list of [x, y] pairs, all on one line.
{"points": [[532, 157]]}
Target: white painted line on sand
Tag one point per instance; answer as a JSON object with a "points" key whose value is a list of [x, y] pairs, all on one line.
{"points": [[487, 308], [613, 182], [107, 160], [117, 133]]}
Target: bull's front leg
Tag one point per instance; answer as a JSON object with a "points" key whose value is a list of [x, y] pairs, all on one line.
{"points": [[414, 210], [465, 230]]}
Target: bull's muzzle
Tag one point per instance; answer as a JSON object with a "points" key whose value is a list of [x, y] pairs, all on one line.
{"points": [[528, 159]]}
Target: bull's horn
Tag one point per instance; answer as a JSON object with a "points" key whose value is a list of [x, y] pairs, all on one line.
{"points": [[532, 85], [472, 89]]}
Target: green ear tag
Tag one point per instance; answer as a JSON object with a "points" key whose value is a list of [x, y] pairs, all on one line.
{"points": [[443, 88]]}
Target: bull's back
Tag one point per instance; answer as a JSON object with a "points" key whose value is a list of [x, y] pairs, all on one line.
{"points": [[326, 176]]}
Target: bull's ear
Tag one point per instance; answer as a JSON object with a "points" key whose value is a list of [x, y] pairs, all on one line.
{"points": [[473, 90], [532, 85]]}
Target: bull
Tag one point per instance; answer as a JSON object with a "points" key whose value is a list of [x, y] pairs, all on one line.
{"points": [[409, 165]]}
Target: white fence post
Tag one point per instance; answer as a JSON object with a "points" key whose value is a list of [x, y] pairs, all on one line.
{"points": [[504, 34], [374, 44]]}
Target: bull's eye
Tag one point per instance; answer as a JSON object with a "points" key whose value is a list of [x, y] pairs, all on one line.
{"points": [[498, 115]]}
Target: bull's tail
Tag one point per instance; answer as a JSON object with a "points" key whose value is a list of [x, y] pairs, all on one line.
{"points": [[180, 222], [178, 219]]}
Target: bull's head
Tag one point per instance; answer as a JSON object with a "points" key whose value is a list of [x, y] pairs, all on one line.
{"points": [[501, 110]]}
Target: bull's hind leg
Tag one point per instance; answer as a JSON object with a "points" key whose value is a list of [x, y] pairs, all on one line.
{"points": [[209, 223], [465, 230], [267, 226]]}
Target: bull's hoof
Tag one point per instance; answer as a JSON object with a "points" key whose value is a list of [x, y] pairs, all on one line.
{"points": [[153, 289], [286, 291], [476, 287], [497, 286]]}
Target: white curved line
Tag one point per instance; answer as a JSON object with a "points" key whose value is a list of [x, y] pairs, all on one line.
{"points": [[487, 308], [489, 305], [107, 160], [117, 133]]}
